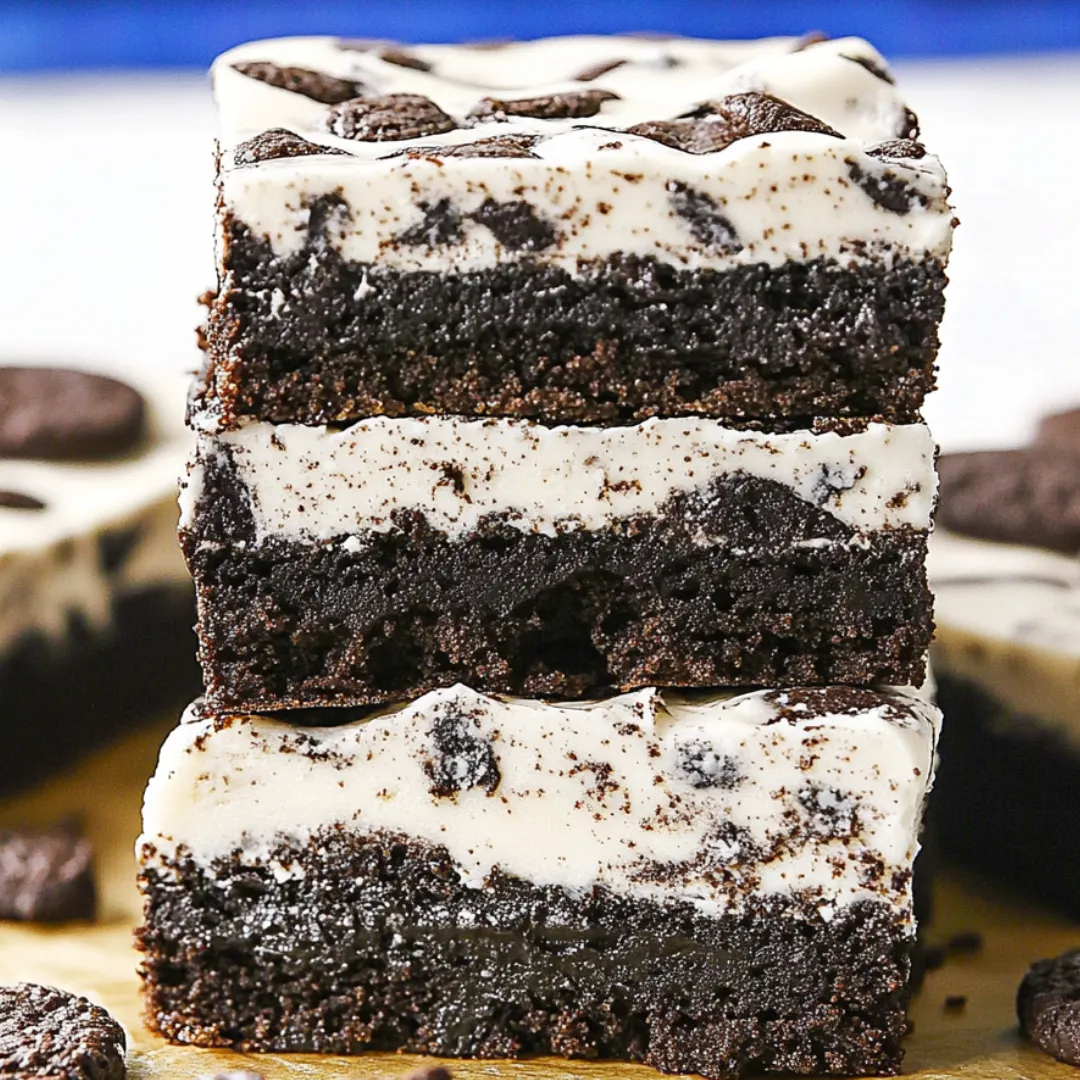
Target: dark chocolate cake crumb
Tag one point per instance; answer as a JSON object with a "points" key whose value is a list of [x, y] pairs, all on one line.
{"points": [[429, 1072], [17, 500], [59, 414], [873, 67], [316, 85], [441, 225], [115, 547], [1048, 1006], [46, 875], [461, 759], [594, 71], [934, 957], [955, 1003], [388, 118], [54, 1035], [888, 190], [516, 225], [401, 58], [278, 143], [966, 943], [572, 105]]}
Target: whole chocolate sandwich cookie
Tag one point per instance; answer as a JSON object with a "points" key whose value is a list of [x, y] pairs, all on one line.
{"points": [[1007, 660], [712, 884], [95, 609], [571, 230], [376, 562]]}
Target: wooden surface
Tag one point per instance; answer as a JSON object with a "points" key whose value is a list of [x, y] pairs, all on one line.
{"points": [[979, 1042]]}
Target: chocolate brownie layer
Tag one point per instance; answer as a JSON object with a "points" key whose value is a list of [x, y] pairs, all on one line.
{"points": [[377, 943], [1005, 801], [790, 595], [621, 340], [61, 700]]}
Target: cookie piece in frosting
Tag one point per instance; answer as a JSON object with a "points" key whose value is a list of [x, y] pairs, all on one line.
{"points": [[59, 414]]}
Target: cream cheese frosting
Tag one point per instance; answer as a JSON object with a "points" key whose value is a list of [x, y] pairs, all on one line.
{"points": [[797, 793], [786, 195], [319, 483]]}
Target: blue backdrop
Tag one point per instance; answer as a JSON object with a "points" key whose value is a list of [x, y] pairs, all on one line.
{"points": [[38, 34]]}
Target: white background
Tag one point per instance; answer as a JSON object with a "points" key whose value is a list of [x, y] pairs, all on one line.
{"points": [[105, 228]]}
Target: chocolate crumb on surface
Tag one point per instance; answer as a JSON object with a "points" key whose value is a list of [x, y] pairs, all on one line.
{"points": [[17, 500], [955, 1003], [966, 943]]}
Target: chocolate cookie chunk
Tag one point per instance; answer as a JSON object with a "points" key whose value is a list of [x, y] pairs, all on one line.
{"points": [[54, 1035], [16, 500], [388, 118], [715, 125], [1061, 431], [327, 89], [898, 148], [278, 143], [594, 71], [46, 875], [401, 58], [873, 67], [1026, 496], [495, 146], [574, 105], [1048, 1006], [63, 415]]}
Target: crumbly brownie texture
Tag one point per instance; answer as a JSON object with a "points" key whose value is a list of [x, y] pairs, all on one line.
{"points": [[46, 875], [679, 244], [53, 1035], [351, 958], [398, 556], [627, 339], [728, 886], [1048, 1006]]}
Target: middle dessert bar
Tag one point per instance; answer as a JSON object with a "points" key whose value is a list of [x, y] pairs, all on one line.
{"points": [[384, 560]]}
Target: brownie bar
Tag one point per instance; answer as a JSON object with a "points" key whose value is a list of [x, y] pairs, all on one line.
{"points": [[470, 876], [621, 340], [95, 603], [639, 237], [376, 563], [1007, 661]]}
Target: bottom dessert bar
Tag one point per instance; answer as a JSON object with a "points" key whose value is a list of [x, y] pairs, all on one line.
{"points": [[709, 884]]}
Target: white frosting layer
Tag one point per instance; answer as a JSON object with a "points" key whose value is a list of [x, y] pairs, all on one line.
{"points": [[614, 792], [1008, 619], [318, 483], [787, 195], [51, 566]]}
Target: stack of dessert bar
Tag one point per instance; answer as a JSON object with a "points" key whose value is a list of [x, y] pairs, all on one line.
{"points": [[558, 397]]}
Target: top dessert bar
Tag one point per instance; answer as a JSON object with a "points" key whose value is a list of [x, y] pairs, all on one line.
{"points": [[571, 230]]}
